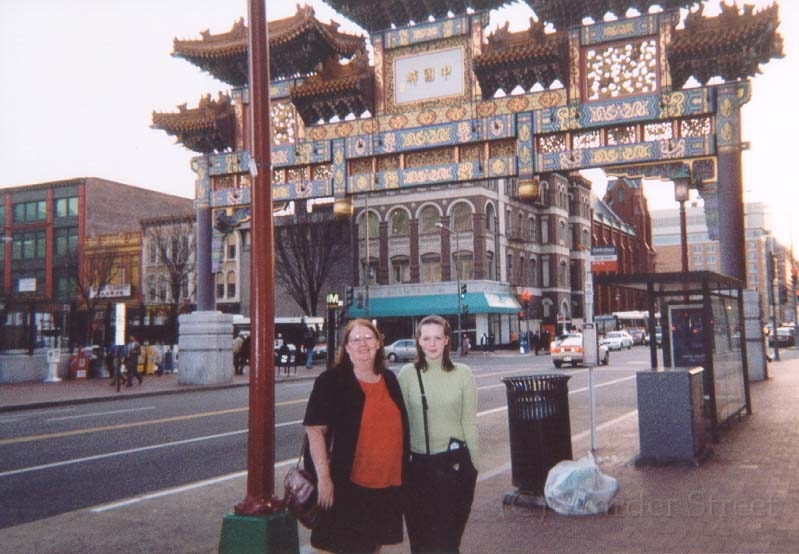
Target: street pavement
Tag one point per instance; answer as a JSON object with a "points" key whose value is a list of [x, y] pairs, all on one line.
{"points": [[743, 497]]}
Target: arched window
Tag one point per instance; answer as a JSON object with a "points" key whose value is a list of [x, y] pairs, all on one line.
{"points": [[373, 226], [533, 234], [490, 218], [585, 240], [431, 268], [462, 217], [563, 274], [533, 274], [562, 232], [400, 223], [491, 266], [428, 218]]}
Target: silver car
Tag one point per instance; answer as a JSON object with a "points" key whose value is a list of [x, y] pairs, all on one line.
{"points": [[399, 350]]}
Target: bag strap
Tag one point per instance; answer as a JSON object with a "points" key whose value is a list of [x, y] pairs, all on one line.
{"points": [[304, 450], [424, 410]]}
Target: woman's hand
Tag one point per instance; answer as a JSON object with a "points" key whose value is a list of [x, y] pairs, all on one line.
{"points": [[324, 491]]}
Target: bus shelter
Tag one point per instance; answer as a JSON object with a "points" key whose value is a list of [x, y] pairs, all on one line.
{"points": [[701, 314]]}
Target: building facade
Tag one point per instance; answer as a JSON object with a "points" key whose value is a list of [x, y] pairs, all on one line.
{"points": [[70, 249]]}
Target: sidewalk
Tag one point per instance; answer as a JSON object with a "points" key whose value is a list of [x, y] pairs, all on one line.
{"points": [[743, 498]]}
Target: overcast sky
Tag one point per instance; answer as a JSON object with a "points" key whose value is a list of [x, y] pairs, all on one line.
{"points": [[81, 78]]}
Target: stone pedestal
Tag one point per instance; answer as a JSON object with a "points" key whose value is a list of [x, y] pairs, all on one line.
{"points": [[206, 342], [671, 423]]}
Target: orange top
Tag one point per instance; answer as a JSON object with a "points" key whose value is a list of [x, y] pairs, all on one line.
{"points": [[378, 453]]}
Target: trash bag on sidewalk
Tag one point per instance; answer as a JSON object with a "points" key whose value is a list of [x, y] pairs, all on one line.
{"points": [[577, 487]]}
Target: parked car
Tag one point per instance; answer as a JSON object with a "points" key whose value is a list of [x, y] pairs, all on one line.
{"points": [[399, 350], [568, 349], [638, 335], [785, 337], [617, 340]]}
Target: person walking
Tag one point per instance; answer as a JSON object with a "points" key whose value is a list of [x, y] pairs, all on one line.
{"points": [[441, 398], [238, 343], [359, 441], [132, 353], [310, 344]]}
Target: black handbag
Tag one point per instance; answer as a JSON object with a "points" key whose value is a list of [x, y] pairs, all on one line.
{"points": [[300, 491]]}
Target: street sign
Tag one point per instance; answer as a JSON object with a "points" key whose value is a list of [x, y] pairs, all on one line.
{"points": [[603, 258]]}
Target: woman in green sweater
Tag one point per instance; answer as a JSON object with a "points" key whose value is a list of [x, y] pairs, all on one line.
{"points": [[441, 399]]}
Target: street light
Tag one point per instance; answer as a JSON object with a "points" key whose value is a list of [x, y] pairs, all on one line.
{"points": [[457, 274], [681, 195]]}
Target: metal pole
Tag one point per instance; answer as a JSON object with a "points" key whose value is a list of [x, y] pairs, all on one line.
{"points": [[683, 237], [368, 261], [260, 498], [457, 276]]}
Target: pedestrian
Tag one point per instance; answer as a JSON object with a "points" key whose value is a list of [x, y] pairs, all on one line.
{"points": [[132, 353], [466, 344], [357, 429], [310, 343], [158, 357], [284, 357], [238, 343], [441, 398], [536, 343], [484, 342]]}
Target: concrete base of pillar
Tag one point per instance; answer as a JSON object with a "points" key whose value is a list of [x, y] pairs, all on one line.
{"points": [[272, 534], [206, 342]]}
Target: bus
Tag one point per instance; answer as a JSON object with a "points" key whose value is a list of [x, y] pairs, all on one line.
{"points": [[287, 329], [635, 322]]}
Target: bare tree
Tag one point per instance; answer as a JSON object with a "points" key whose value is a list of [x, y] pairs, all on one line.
{"points": [[175, 243], [308, 248], [100, 269]]}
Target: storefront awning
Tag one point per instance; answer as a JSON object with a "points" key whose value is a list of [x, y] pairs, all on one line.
{"points": [[441, 304]]}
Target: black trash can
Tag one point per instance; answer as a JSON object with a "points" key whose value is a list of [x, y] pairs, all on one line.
{"points": [[540, 428]]}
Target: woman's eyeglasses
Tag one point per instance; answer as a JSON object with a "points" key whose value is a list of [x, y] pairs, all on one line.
{"points": [[365, 339]]}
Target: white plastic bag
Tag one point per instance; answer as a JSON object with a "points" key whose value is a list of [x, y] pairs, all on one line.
{"points": [[577, 487]]}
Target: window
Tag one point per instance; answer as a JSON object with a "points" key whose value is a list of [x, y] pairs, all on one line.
{"points": [[509, 269], [431, 268], [65, 286], [586, 239], [462, 217], [400, 269], [372, 225], [30, 211], [231, 285], [151, 290], [427, 220], [562, 232], [563, 275], [28, 246], [162, 291], [533, 274], [220, 285], [544, 230], [66, 207], [152, 252], [545, 272], [66, 242], [463, 264], [532, 223], [490, 219], [491, 267], [400, 223]]}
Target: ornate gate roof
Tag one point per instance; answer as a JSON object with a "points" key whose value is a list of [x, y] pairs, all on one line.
{"points": [[297, 45]]}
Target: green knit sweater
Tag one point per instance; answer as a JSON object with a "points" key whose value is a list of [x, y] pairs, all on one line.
{"points": [[452, 407]]}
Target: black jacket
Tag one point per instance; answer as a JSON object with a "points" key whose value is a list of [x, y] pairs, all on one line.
{"points": [[337, 401]]}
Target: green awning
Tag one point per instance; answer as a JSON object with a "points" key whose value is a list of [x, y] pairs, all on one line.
{"points": [[441, 304]]}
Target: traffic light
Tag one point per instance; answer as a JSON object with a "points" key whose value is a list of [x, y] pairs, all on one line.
{"points": [[463, 290], [465, 309], [348, 297]]}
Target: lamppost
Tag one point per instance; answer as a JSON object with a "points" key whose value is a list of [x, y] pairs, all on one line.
{"points": [[681, 195], [457, 274]]}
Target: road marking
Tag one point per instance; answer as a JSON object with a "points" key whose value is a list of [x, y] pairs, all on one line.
{"points": [[95, 414], [128, 425], [134, 450]]}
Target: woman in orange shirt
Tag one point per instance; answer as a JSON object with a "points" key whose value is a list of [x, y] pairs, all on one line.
{"points": [[359, 441]]}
